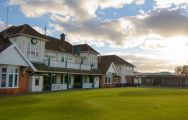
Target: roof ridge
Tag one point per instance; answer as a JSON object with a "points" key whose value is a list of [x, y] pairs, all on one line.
{"points": [[23, 28]]}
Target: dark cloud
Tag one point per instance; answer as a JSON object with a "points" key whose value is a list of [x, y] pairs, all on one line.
{"points": [[166, 23]]}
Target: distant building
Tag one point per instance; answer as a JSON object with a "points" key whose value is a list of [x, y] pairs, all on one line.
{"points": [[161, 79]]}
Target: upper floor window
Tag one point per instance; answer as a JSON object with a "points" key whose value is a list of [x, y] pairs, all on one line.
{"points": [[8, 77], [68, 59], [33, 51], [129, 68], [93, 63]]}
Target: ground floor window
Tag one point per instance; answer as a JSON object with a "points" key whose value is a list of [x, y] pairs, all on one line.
{"points": [[9, 77], [37, 81], [53, 78], [108, 80], [67, 79]]}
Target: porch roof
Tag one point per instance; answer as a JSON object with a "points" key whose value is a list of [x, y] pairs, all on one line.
{"points": [[44, 68]]}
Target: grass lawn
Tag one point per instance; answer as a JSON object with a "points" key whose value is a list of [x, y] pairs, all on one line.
{"points": [[98, 104]]}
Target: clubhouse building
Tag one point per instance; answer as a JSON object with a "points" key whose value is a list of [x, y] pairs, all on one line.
{"points": [[33, 62]]}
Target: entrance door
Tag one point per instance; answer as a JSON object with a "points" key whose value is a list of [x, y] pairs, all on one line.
{"points": [[77, 81], [96, 85], [46, 83]]}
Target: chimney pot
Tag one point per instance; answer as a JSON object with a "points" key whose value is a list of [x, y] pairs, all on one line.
{"points": [[63, 36]]}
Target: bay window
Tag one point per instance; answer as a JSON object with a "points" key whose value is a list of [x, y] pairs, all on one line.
{"points": [[8, 77]]}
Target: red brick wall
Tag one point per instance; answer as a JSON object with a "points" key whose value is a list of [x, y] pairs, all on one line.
{"points": [[23, 85]]}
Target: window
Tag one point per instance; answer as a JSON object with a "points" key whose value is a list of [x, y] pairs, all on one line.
{"points": [[33, 51], [37, 81], [8, 77], [93, 65], [62, 79], [54, 79], [62, 59], [82, 60], [3, 77], [65, 79], [108, 80]]}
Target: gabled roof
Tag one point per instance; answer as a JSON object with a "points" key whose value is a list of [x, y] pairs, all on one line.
{"points": [[104, 66], [115, 59], [23, 29], [86, 48], [6, 46]]}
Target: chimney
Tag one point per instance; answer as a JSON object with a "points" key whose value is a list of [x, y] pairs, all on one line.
{"points": [[63, 40]]}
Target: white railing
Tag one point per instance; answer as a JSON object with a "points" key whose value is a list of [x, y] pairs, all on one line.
{"points": [[59, 86], [85, 67], [87, 85], [55, 63], [73, 65]]}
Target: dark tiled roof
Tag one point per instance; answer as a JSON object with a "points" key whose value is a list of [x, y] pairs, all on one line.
{"points": [[86, 48], [44, 68], [115, 59], [4, 42], [52, 43], [23, 29], [56, 45], [104, 65]]}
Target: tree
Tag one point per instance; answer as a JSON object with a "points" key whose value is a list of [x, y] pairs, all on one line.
{"points": [[178, 70], [182, 70]]}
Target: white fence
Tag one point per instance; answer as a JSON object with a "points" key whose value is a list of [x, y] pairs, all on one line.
{"points": [[87, 85], [59, 86]]}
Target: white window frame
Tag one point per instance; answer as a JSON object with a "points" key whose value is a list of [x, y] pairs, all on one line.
{"points": [[37, 78], [33, 49], [14, 73], [108, 80], [93, 62]]}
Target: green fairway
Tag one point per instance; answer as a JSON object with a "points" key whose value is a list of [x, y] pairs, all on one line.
{"points": [[98, 104]]}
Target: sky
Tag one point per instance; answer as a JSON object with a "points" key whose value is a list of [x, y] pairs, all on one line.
{"points": [[151, 34]]}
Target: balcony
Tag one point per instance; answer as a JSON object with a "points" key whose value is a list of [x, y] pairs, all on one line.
{"points": [[55, 63]]}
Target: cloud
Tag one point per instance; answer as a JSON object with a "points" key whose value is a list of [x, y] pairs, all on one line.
{"points": [[170, 3], [146, 64], [78, 19], [166, 23], [79, 9]]}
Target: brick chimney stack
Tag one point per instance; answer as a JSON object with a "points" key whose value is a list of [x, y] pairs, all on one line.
{"points": [[63, 40]]}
